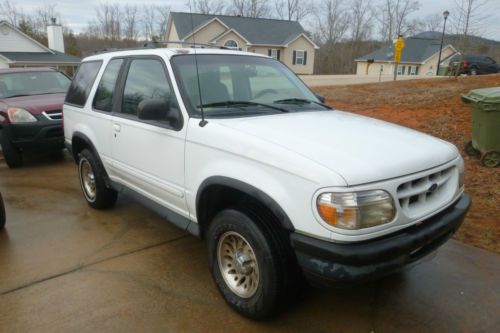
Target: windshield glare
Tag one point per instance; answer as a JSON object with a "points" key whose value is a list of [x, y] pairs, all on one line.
{"points": [[226, 78], [32, 83]]}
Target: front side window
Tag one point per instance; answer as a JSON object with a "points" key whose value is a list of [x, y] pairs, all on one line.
{"points": [[33, 83], [146, 79], [82, 83], [103, 99], [255, 84]]}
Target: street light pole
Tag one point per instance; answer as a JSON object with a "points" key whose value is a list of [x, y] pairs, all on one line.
{"points": [[445, 15]]}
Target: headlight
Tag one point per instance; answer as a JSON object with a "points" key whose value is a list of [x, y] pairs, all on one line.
{"points": [[356, 210], [17, 115]]}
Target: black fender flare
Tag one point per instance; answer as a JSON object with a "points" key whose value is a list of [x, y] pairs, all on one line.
{"points": [[250, 190], [90, 145]]}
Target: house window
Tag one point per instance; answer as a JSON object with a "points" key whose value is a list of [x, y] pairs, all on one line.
{"points": [[412, 70], [300, 57], [231, 44], [401, 69]]}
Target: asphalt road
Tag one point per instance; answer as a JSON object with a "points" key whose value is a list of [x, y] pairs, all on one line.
{"points": [[65, 267]]}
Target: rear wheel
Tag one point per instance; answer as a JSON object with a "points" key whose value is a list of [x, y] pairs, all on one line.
{"points": [[11, 154], [251, 266], [473, 71], [92, 181]]}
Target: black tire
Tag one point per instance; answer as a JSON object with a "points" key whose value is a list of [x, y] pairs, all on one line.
{"points": [[279, 276], [12, 155], [2, 213], [473, 71], [101, 197]]}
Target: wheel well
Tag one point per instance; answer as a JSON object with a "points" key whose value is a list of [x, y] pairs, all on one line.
{"points": [[215, 198], [77, 145]]}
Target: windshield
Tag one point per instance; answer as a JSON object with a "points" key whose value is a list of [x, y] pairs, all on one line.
{"points": [[32, 83], [240, 85]]}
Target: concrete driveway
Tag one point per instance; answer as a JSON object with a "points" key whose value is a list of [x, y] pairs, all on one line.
{"points": [[65, 267]]}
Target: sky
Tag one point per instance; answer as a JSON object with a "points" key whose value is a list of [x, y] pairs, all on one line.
{"points": [[76, 14]]}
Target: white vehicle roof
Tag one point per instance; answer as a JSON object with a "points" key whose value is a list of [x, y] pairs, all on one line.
{"points": [[169, 52]]}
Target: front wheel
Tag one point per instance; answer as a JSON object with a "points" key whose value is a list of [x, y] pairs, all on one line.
{"points": [[12, 155], [92, 181], [249, 263]]}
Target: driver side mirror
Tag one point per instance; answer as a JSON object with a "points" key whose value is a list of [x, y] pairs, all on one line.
{"points": [[153, 109], [159, 109]]}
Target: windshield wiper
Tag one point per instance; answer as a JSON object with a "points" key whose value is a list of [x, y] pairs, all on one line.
{"points": [[300, 101], [242, 103], [20, 95]]}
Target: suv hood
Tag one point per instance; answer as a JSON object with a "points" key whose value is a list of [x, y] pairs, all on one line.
{"points": [[35, 104], [358, 148]]}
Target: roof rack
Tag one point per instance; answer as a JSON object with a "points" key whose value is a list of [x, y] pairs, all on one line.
{"points": [[156, 44]]}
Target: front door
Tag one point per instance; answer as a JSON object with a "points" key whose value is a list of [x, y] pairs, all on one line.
{"points": [[148, 155]]}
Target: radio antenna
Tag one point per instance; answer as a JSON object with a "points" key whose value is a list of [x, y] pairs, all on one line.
{"points": [[203, 122]]}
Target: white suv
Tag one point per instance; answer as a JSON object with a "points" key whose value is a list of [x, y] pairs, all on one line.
{"points": [[234, 148]]}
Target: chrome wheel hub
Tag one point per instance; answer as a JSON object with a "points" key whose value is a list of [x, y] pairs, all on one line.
{"points": [[238, 264], [87, 180]]}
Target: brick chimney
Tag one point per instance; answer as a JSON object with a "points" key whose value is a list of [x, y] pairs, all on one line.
{"points": [[55, 36]]}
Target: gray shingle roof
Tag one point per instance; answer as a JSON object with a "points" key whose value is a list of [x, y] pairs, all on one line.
{"points": [[41, 57], [416, 50], [255, 30]]}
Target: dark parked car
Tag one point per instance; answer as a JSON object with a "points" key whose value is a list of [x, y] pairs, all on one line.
{"points": [[31, 111], [474, 64]]}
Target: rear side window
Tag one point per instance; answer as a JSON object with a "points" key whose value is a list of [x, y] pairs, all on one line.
{"points": [[80, 87], [103, 99], [146, 79]]}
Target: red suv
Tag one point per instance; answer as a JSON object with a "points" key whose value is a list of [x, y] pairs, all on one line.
{"points": [[31, 111]]}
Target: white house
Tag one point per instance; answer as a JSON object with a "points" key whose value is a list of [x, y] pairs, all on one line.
{"points": [[20, 50]]}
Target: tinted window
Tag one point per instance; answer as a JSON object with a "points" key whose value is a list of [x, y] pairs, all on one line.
{"points": [[81, 85], [103, 99], [146, 79], [33, 83]]}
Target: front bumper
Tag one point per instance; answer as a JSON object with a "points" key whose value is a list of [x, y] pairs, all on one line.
{"points": [[41, 134], [328, 263]]}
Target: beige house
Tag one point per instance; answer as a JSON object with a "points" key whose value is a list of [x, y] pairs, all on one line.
{"points": [[419, 58], [282, 40]]}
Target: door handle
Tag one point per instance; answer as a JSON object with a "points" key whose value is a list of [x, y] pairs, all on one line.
{"points": [[117, 127]]}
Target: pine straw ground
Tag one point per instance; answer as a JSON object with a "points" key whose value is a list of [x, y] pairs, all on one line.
{"points": [[434, 106]]}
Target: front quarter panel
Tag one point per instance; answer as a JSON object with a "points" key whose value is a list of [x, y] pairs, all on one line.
{"points": [[289, 179]]}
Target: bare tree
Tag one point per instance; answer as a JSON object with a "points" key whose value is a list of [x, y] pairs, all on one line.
{"points": [[148, 21], [469, 20], [332, 21], [433, 22], [10, 13], [163, 14], [393, 16], [292, 10], [213, 7], [360, 25], [108, 21], [130, 22], [249, 8]]}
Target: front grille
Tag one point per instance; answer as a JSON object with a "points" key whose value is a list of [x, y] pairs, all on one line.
{"points": [[423, 194], [53, 114]]}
